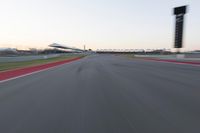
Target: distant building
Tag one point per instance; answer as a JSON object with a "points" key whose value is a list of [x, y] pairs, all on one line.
{"points": [[8, 51]]}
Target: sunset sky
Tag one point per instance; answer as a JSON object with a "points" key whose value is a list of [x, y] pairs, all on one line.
{"points": [[111, 24]]}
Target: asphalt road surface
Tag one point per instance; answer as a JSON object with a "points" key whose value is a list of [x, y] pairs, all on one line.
{"points": [[104, 94]]}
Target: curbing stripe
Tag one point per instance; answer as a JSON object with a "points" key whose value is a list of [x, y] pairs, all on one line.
{"points": [[18, 73]]}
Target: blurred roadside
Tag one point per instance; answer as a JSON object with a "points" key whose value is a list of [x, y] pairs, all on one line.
{"points": [[189, 57]]}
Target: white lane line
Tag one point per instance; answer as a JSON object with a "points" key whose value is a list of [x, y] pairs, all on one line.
{"points": [[45, 69]]}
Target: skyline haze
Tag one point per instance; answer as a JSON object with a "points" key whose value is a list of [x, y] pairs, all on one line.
{"points": [[113, 24]]}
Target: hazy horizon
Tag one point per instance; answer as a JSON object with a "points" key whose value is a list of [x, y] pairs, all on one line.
{"points": [[98, 24]]}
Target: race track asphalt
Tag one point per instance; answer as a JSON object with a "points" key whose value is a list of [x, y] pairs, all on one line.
{"points": [[104, 94]]}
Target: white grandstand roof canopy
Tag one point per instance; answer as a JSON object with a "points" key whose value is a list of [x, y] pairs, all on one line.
{"points": [[56, 45]]}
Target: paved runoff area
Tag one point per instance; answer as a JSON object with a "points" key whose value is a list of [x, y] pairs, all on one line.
{"points": [[104, 94], [27, 58]]}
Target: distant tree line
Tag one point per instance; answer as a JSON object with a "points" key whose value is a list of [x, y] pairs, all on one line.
{"points": [[32, 51]]}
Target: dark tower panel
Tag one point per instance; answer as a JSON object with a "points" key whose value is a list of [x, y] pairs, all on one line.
{"points": [[179, 12]]}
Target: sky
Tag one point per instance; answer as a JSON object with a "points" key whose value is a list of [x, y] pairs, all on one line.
{"points": [[98, 24]]}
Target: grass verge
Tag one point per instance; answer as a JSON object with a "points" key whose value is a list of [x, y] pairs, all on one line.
{"points": [[130, 56], [23, 64]]}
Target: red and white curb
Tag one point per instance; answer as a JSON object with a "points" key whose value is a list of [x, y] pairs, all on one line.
{"points": [[17, 73]]}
